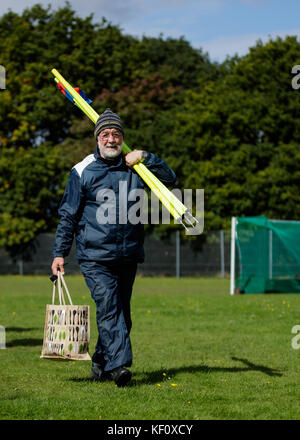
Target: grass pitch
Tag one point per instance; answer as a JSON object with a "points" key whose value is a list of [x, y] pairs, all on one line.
{"points": [[198, 354]]}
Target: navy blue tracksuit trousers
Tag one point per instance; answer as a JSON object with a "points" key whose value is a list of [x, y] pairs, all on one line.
{"points": [[111, 288]]}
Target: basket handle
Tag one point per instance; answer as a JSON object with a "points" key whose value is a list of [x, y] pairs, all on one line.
{"points": [[59, 280], [65, 286]]}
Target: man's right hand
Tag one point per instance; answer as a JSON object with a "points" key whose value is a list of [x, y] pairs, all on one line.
{"points": [[58, 264]]}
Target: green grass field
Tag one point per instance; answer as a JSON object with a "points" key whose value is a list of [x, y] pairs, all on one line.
{"points": [[198, 354]]}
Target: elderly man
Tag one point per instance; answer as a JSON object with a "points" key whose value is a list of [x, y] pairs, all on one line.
{"points": [[108, 251]]}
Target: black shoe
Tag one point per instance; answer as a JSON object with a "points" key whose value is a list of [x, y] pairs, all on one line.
{"points": [[97, 373], [121, 376]]}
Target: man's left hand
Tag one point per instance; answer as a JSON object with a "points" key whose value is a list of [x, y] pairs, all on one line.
{"points": [[134, 157]]}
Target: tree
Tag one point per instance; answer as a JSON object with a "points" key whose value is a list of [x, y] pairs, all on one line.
{"points": [[238, 137], [30, 181], [42, 135], [30, 46]]}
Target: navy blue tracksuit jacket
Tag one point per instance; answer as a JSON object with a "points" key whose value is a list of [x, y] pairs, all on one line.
{"points": [[107, 253]]}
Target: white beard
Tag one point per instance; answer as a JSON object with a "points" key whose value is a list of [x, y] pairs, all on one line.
{"points": [[110, 153]]}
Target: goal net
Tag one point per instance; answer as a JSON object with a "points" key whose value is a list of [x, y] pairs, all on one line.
{"points": [[265, 255]]}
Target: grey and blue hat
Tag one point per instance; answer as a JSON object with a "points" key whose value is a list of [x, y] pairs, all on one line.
{"points": [[108, 119]]}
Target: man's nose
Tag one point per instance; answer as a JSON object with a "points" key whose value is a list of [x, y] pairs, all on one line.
{"points": [[110, 138]]}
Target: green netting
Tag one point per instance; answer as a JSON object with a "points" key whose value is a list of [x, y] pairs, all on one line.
{"points": [[267, 255]]}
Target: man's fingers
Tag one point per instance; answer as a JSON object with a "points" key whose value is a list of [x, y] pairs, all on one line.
{"points": [[133, 157], [58, 265], [54, 269], [61, 268]]}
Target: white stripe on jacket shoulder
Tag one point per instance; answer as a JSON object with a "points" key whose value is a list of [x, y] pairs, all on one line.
{"points": [[80, 166]]}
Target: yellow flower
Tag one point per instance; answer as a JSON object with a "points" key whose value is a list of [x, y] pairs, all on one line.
{"points": [[164, 374], [158, 384], [174, 384]]}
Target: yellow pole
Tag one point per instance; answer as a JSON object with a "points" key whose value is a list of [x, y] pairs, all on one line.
{"points": [[168, 199]]}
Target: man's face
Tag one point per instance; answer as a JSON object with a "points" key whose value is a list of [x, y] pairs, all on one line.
{"points": [[110, 143]]}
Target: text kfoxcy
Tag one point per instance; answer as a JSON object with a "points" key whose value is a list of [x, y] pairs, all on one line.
{"points": [[155, 429]]}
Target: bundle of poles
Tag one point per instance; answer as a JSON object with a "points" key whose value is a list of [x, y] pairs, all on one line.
{"points": [[176, 208]]}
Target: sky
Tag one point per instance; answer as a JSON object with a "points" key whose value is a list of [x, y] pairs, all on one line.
{"points": [[219, 27]]}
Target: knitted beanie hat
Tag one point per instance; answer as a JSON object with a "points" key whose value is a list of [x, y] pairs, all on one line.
{"points": [[108, 119]]}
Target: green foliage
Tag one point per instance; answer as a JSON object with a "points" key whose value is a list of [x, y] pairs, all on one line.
{"points": [[238, 137], [30, 186], [36, 42], [173, 59], [231, 129], [146, 107], [42, 135]]}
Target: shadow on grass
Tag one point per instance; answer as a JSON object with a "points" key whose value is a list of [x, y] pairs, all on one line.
{"points": [[20, 329], [252, 367], [154, 377], [24, 342]]}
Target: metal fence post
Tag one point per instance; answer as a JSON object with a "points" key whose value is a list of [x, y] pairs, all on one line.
{"points": [[20, 264], [222, 253], [232, 256]]}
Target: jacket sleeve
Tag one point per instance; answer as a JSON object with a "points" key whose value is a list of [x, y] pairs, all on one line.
{"points": [[69, 213], [160, 169]]}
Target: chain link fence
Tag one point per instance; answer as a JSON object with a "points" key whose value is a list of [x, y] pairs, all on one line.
{"points": [[206, 255]]}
